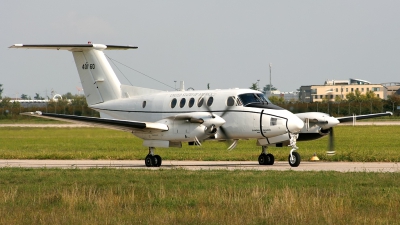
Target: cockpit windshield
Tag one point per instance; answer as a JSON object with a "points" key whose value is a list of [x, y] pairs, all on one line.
{"points": [[253, 98]]}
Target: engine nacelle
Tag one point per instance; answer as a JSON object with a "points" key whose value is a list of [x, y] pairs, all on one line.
{"points": [[313, 134]]}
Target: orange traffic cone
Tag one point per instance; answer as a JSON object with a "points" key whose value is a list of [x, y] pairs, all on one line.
{"points": [[314, 157]]}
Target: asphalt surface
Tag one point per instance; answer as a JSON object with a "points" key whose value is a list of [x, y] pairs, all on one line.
{"points": [[205, 165]]}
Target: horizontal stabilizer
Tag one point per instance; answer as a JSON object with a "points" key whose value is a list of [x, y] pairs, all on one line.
{"points": [[124, 125], [74, 47]]}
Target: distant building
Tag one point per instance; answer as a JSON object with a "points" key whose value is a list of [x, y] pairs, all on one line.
{"points": [[30, 103], [287, 96], [392, 88], [333, 88], [25, 103]]}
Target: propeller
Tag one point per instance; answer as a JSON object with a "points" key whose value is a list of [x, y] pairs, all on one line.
{"points": [[222, 130], [331, 143]]}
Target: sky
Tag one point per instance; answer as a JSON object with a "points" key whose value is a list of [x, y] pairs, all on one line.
{"points": [[223, 43]]}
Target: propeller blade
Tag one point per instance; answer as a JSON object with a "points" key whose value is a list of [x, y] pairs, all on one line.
{"points": [[225, 133], [331, 145], [206, 106], [226, 110], [229, 141]]}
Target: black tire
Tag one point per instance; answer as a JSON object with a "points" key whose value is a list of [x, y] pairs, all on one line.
{"points": [[263, 159], [296, 159], [158, 161], [271, 159], [149, 160]]}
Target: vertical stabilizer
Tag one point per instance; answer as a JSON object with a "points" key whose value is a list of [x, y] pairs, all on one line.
{"points": [[99, 82]]}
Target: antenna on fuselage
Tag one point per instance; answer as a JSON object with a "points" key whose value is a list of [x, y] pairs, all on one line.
{"points": [[270, 75]]}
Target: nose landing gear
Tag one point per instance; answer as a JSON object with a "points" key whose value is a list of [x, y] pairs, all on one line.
{"points": [[294, 157]]}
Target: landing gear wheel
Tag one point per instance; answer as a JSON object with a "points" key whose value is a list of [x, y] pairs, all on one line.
{"points": [[295, 161], [149, 160], [262, 159], [153, 160], [158, 161], [266, 159], [271, 159]]}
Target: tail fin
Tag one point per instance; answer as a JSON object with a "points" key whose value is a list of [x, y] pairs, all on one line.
{"points": [[99, 82]]}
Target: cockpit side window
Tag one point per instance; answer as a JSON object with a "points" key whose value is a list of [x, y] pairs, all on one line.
{"points": [[253, 98], [257, 100], [233, 101], [263, 98], [230, 101]]}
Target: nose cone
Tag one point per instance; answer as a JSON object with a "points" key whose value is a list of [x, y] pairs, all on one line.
{"points": [[214, 120], [295, 124], [331, 122]]}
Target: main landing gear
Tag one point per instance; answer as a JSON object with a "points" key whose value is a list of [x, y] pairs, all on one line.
{"points": [[266, 158], [152, 160]]}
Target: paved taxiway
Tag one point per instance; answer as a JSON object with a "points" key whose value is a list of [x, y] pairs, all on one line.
{"points": [[205, 165]]}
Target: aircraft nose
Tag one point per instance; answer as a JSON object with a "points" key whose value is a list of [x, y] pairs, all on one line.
{"points": [[295, 124]]}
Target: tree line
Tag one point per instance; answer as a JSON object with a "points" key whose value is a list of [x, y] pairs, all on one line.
{"points": [[69, 104]]}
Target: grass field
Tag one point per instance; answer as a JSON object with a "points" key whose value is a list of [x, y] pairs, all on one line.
{"points": [[117, 196], [360, 143]]}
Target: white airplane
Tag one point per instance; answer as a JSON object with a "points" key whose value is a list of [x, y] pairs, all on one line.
{"points": [[166, 119]]}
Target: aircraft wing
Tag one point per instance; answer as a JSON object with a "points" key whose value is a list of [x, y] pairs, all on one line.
{"points": [[361, 117], [124, 125]]}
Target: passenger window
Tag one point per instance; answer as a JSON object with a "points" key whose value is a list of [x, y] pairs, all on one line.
{"points": [[182, 103], [144, 104], [230, 101], [273, 121], [173, 103], [200, 102], [210, 101], [191, 102]]}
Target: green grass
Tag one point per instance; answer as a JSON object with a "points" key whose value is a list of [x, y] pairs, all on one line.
{"points": [[395, 117], [360, 143], [124, 196], [29, 120], [118, 196]]}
